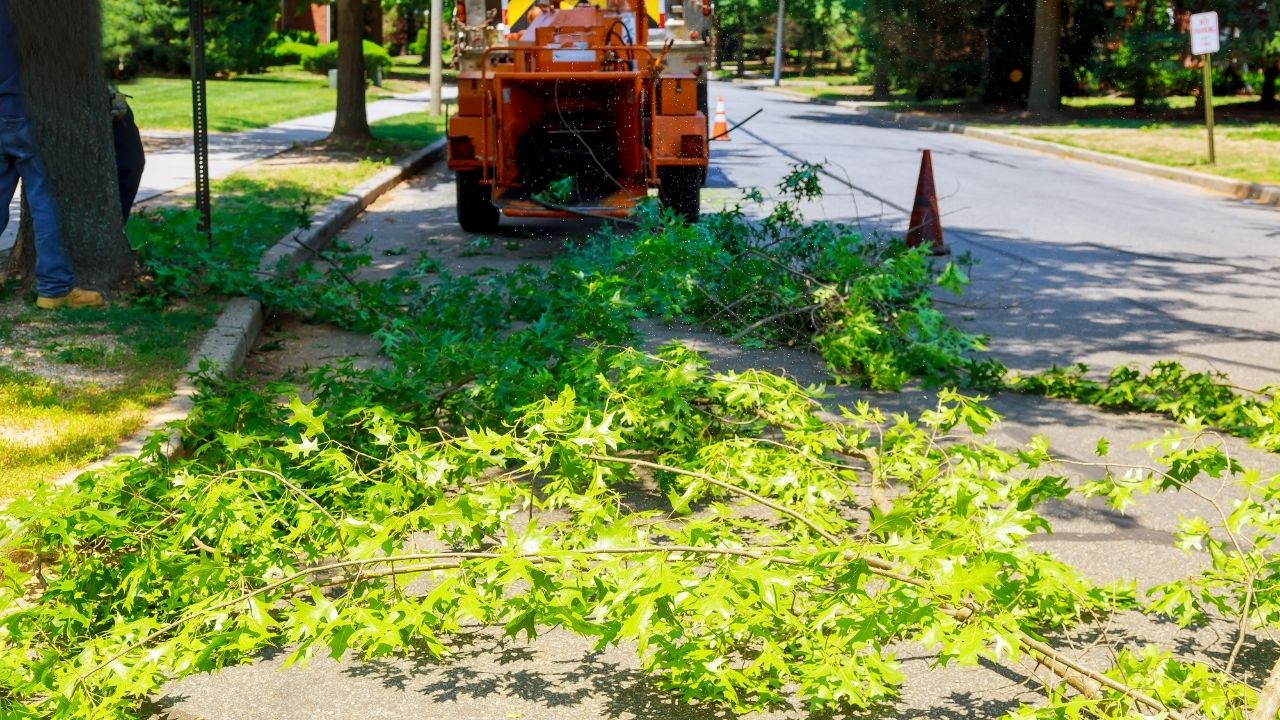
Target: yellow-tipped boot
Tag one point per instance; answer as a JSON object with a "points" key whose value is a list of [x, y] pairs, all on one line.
{"points": [[77, 298]]}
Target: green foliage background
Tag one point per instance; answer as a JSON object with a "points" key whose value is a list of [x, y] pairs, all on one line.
{"points": [[154, 35]]}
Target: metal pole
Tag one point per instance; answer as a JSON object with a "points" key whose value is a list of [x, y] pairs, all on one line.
{"points": [[200, 122], [437, 54], [1208, 104], [777, 44]]}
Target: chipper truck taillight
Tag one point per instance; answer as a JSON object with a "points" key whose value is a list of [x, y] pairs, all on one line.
{"points": [[572, 115]]}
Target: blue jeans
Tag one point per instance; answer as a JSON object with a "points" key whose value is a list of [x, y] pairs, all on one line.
{"points": [[19, 157]]}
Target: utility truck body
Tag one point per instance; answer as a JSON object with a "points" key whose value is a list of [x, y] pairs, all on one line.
{"points": [[571, 112]]}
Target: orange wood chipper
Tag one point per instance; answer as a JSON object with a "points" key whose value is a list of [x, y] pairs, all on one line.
{"points": [[573, 115]]}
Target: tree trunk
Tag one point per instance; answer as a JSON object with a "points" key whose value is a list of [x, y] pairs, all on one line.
{"points": [[67, 100], [879, 55], [352, 121], [880, 82], [409, 26], [715, 40], [1269, 75], [742, 43], [1045, 93], [425, 59], [1142, 83]]}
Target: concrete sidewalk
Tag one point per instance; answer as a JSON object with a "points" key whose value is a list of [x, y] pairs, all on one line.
{"points": [[174, 168]]}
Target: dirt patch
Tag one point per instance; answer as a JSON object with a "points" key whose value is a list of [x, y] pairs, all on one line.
{"points": [[39, 346], [33, 436], [316, 153], [163, 143], [290, 347]]}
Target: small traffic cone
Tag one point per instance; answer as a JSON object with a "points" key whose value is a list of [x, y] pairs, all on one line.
{"points": [[926, 221], [720, 129]]}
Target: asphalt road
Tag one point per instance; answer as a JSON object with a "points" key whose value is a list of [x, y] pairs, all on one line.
{"points": [[1077, 262]]}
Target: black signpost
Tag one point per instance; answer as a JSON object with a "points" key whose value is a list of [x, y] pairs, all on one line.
{"points": [[200, 121]]}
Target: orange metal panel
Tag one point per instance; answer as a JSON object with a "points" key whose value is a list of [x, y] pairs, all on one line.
{"points": [[473, 129], [521, 62], [668, 131], [470, 93], [583, 77], [679, 95]]}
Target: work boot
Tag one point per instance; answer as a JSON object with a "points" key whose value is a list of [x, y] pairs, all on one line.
{"points": [[77, 298]]}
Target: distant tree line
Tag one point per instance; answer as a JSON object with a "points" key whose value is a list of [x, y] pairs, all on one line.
{"points": [[979, 49], [152, 36], [982, 49]]}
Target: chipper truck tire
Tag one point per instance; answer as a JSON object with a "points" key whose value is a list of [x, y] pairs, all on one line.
{"points": [[476, 212], [680, 189]]}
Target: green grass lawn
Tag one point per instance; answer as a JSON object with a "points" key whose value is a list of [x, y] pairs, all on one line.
{"points": [[243, 103], [1243, 153], [1173, 102], [74, 384]]}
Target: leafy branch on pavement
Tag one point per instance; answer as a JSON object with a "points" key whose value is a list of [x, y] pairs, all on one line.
{"points": [[364, 502], [1168, 389], [478, 478], [863, 302]]}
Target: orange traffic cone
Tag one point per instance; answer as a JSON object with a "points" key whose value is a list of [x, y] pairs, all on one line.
{"points": [[926, 221], [720, 128]]}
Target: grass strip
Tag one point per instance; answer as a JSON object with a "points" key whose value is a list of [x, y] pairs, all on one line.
{"points": [[1249, 154], [245, 102], [84, 383]]}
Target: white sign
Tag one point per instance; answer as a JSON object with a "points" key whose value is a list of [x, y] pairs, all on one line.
{"points": [[568, 56], [1204, 33]]}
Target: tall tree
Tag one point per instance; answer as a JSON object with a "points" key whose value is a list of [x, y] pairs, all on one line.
{"points": [[68, 102], [352, 121], [1045, 93], [408, 13], [1270, 72]]}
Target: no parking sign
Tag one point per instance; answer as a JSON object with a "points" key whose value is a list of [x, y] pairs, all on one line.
{"points": [[1205, 41], [1204, 33]]}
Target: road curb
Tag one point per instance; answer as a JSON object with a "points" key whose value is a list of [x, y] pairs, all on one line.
{"points": [[1259, 193], [340, 211], [225, 345]]}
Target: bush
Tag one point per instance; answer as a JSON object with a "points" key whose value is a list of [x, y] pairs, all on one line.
{"points": [[306, 37], [325, 58], [288, 47], [291, 52], [419, 44], [1148, 66]]}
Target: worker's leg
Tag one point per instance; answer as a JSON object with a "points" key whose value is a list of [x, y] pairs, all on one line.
{"points": [[8, 183], [130, 160], [54, 275]]}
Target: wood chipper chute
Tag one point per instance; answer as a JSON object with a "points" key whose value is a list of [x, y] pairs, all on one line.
{"points": [[573, 115]]}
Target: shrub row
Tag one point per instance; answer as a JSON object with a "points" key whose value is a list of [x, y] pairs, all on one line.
{"points": [[323, 58]]}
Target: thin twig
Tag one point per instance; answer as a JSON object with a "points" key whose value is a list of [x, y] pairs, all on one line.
{"points": [[776, 316], [812, 525], [337, 526]]}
